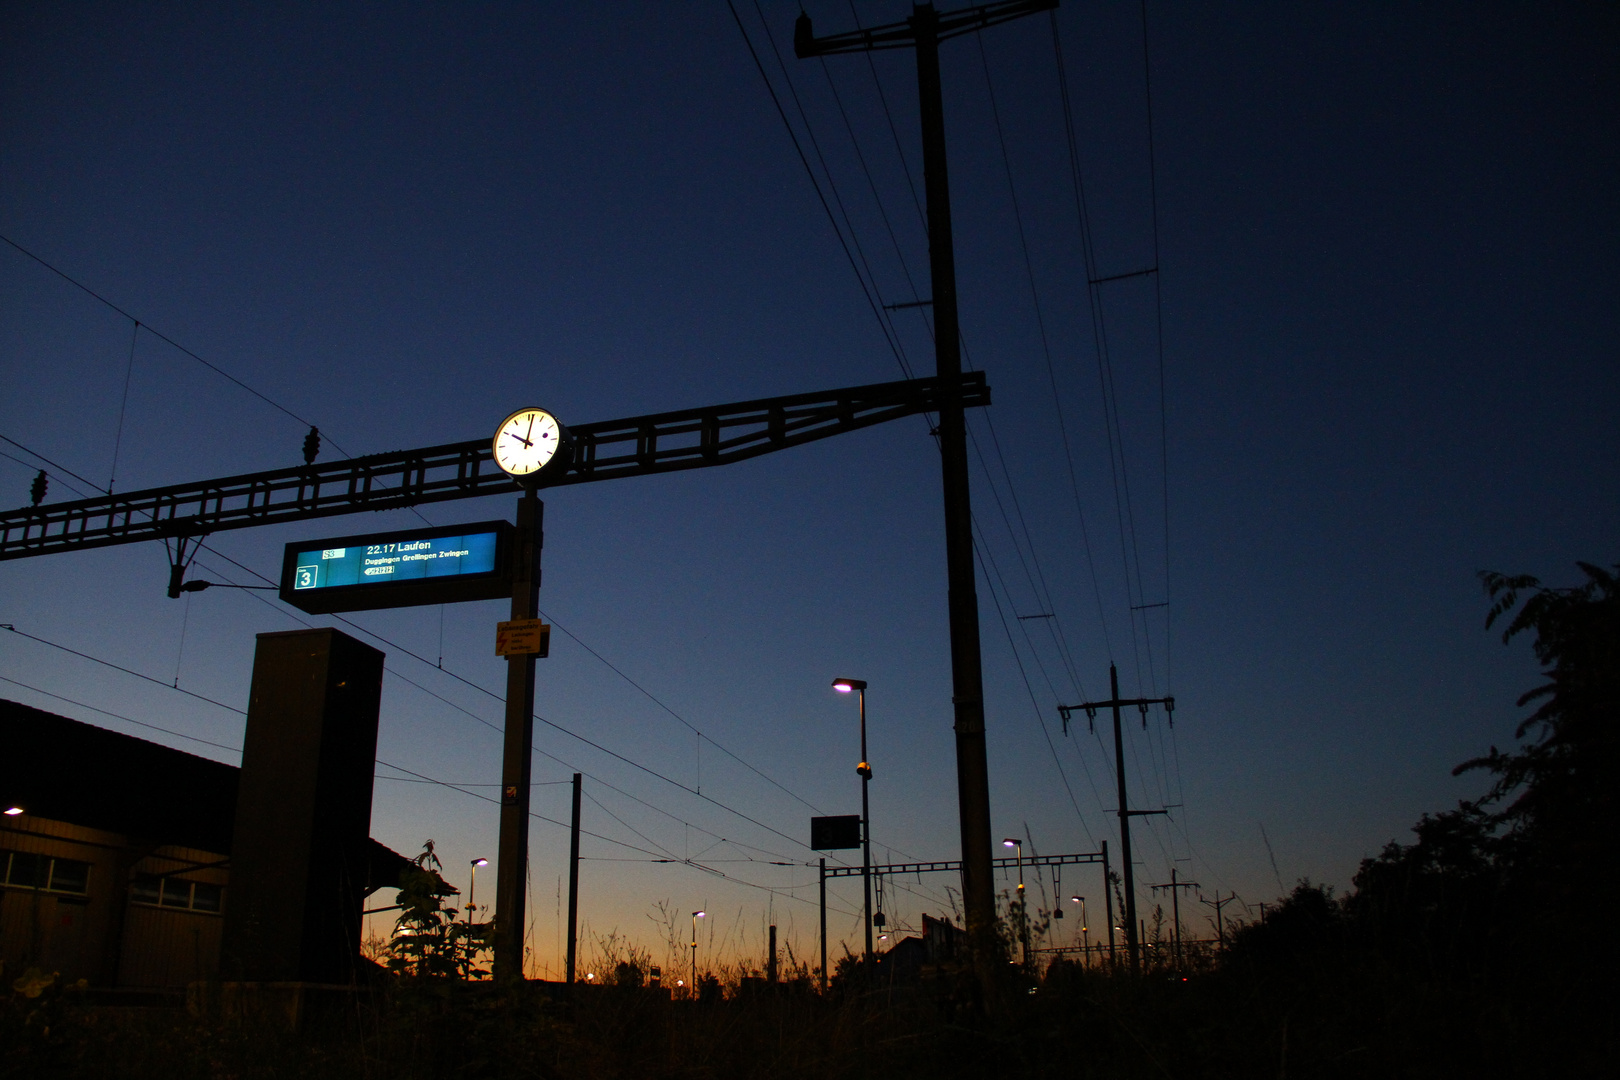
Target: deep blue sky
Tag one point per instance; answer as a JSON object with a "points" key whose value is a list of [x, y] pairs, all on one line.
{"points": [[1388, 243]]}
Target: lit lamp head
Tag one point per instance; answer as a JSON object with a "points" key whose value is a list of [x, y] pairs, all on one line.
{"points": [[844, 686], [13, 811], [1012, 843], [480, 862]]}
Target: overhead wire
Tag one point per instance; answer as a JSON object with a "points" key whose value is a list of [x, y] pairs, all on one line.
{"points": [[1041, 591], [215, 368], [1164, 411], [866, 292], [52, 464], [892, 336], [1099, 327], [410, 772], [1113, 427], [1035, 705], [396, 674], [439, 667]]}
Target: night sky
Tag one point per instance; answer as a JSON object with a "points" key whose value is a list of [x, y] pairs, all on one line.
{"points": [[1388, 243]]}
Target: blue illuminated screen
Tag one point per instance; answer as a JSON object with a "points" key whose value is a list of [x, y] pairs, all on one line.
{"points": [[404, 560]]}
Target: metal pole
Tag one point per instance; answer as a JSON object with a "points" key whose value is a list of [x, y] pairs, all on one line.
{"points": [[770, 965], [824, 926], [1175, 913], [573, 883], [967, 677], [1023, 910], [1108, 904], [1124, 827], [516, 759], [866, 828], [1085, 933]]}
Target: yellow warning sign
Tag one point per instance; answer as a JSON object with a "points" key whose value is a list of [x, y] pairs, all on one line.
{"points": [[522, 637]]}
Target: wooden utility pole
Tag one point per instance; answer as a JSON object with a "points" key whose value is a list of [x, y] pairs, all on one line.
{"points": [[924, 31]]}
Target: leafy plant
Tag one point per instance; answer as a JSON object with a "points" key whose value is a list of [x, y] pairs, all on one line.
{"points": [[429, 942]]}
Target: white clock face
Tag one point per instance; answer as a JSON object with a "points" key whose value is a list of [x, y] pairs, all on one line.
{"points": [[526, 441]]}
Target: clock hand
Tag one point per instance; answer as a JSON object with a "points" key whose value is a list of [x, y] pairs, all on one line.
{"points": [[520, 438]]}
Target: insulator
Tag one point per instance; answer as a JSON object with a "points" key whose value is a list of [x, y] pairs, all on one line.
{"points": [[37, 491], [312, 445]]}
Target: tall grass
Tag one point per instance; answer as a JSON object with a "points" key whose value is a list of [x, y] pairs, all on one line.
{"points": [[1333, 1011]]}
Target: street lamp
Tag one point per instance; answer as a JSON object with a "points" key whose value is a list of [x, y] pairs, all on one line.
{"points": [[472, 887], [1023, 919], [844, 686], [696, 915], [13, 811], [1085, 937]]}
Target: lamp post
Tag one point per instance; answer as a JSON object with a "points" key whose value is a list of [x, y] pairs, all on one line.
{"points": [[844, 686], [1085, 937], [472, 888], [696, 915], [1023, 916]]}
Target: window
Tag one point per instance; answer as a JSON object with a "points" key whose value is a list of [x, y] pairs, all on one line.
{"points": [[22, 870], [172, 892]]}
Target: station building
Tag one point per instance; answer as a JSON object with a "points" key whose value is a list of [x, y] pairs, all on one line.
{"points": [[115, 855]]}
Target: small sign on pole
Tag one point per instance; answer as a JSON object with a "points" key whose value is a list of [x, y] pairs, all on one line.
{"points": [[522, 637], [833, 833]]}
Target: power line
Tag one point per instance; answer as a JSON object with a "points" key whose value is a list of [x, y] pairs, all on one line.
{"points": [[51, 463], [121, 716], [656, 701], [490, 693], [215, 368], [1035, 705], [803, 160]]}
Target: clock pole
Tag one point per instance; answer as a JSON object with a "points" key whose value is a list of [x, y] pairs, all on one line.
{"points": [[516, 759]]}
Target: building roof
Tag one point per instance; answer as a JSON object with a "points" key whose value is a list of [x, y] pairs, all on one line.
{"points": [[64, 770], [61, 769]]}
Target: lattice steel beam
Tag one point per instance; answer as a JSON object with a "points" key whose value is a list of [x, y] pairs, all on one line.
{"points": [[955, 865], [607, 450]]}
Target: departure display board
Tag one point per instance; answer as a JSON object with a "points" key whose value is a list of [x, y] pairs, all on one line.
{"points": [[399, 569]]}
